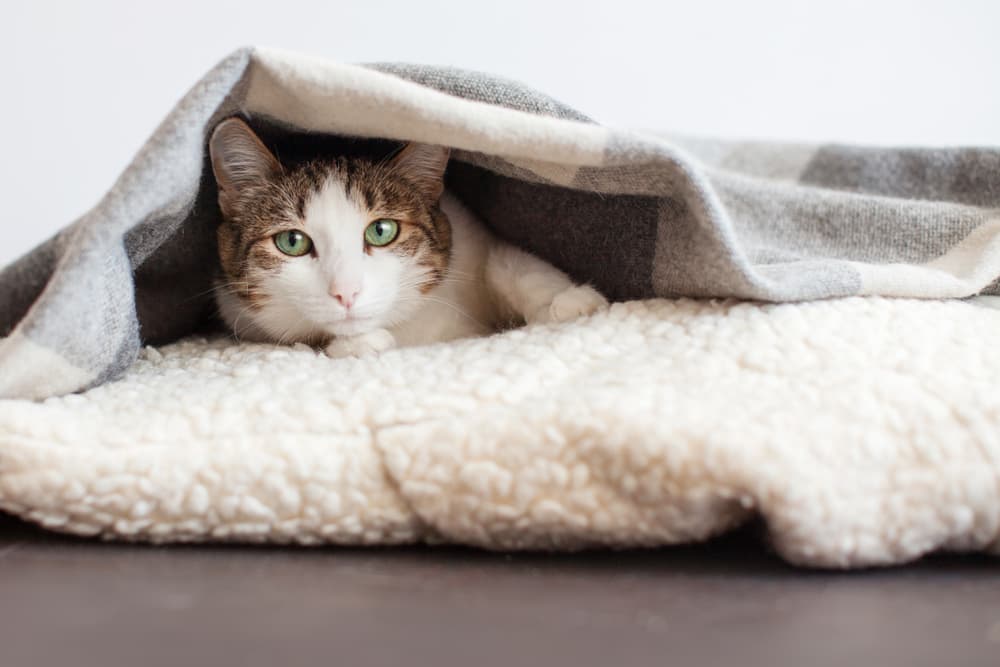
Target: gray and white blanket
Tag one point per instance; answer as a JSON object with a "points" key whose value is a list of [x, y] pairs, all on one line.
{"points": [[635, 214]]}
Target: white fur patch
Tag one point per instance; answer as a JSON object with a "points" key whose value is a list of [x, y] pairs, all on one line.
{"points": [[864, 431], [572, 303]]}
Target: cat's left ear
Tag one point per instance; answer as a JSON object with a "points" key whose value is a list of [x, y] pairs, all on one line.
{"points": [[423, 165], [240, 161]]}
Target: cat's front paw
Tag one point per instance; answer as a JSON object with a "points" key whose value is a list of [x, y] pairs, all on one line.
{"points": [[371, 342], [570, 304]]}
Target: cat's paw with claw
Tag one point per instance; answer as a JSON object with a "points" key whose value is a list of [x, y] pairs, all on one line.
{"points": [[368, 343], [570, 304]]}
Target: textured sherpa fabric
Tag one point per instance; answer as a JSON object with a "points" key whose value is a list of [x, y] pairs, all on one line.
{"points": [[636, 214], [862, 431]]}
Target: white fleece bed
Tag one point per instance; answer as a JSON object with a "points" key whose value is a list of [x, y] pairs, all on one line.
{"points": [[864, 431]]}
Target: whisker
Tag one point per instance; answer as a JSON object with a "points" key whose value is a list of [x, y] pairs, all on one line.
{"points": [[217, 288], [236, 322], [453, 306], [455, 273]]}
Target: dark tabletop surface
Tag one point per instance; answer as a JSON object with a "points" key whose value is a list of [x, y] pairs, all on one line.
{"points": [[66, 601]]}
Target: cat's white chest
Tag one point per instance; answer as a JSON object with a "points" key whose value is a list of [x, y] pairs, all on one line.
{"points": [[461, 306]]}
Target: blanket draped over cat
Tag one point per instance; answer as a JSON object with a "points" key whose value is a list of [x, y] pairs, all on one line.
{"points": [[635, 214]]}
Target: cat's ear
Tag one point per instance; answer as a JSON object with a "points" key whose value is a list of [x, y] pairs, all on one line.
{"points": [[423, 165], [239, 160]]}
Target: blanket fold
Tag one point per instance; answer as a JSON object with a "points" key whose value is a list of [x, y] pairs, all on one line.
{"points": [[862, 430]]}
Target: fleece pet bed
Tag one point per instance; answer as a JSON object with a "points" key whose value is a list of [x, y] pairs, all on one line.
{"points": [[863, 430]]}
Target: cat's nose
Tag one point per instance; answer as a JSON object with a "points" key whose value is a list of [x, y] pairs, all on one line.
{"points": [[346, 297]]}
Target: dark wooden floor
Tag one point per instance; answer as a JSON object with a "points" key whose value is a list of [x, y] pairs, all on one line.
{"points": [[75, 602]]}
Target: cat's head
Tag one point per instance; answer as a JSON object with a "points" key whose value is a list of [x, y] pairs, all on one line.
{"points": [[332, 247]]}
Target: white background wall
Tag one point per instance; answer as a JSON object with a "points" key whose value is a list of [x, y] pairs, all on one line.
{"points": [[84, 82]]}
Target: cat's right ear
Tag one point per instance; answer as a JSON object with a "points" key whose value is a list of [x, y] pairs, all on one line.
{"points": [[239, 160]]}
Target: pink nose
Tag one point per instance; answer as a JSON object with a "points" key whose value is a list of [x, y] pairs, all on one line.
{"points": [[345, 297]]}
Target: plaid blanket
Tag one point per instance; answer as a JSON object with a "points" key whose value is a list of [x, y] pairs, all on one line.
{"points": [[636, 214]]}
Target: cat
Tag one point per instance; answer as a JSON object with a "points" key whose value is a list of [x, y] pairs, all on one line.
{"points": [[359, 256]]}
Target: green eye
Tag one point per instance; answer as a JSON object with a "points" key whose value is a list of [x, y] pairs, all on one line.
{"points": [[293, 242], [381, 232]]}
